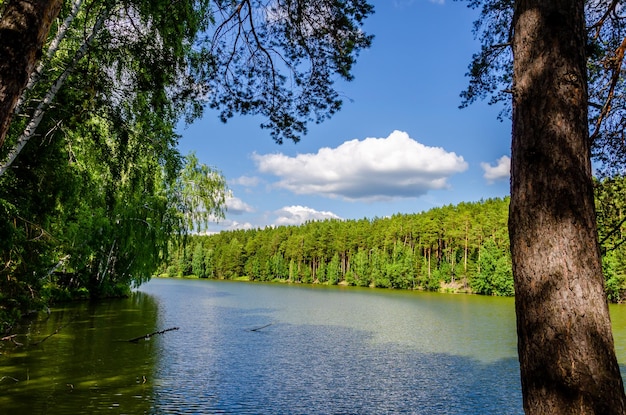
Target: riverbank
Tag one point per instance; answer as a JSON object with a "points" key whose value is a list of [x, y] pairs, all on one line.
{"points": [[453, 287]]}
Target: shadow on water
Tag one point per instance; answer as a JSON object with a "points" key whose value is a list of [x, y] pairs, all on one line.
{"points": [[76, 360], [325, 352], [310, 369]]}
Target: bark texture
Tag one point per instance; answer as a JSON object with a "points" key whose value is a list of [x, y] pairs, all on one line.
{"points": [[565, 342], [24, 26]]}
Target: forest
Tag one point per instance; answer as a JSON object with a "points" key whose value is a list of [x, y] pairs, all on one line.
{"points": [[461, 248], [93, 188]]}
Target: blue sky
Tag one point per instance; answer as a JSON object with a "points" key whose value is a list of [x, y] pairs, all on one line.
{"points": [[400, 144]]}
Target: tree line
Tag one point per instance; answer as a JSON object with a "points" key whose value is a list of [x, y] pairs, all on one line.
{"points": [[459, 248]]}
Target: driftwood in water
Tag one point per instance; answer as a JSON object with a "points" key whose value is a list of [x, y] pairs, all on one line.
{"points": [[9, 377], [261, 328], [53, 333], [147, 336], [11, 339]]}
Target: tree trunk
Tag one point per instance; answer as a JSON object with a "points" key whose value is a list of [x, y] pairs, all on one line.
{"points": [[24, 27], [466, 247], [565, 344]]}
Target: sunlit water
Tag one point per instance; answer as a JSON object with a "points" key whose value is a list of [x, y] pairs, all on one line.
{"points": [[246, 348]]}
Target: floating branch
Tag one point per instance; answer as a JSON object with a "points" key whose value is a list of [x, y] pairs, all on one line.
{"points": [[55, 332], [9, 377], [11, 338], [260, 328], [147, 336]]}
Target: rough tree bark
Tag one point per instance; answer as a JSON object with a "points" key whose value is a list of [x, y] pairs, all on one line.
{"points": [[24, 26], [566, 350]]}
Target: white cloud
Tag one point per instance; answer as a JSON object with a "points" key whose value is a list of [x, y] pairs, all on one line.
{"points": [[220, 225], [296, 215], [370, 169], [236, 206], [231, 225], [246, 181], [501, 171]]}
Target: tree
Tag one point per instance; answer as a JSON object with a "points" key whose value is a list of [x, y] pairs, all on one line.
{"points": [[317, 251], [113, 81], [566, 350], [209, 263], [565, 344], [333, 270], [24, 28], [198, 260], [610, 197], [279, 60], [360, 268], [495, 277]]}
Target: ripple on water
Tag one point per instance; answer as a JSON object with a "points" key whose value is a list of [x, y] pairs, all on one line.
{"points": [[318, 369], [327, 351]]}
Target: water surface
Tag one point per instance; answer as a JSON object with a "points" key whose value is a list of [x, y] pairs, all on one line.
{"points": [[247, 348]]}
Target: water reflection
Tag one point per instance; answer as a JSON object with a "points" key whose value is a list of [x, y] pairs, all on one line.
{"points": [[77, 360], [322, 350], [330, 351]]}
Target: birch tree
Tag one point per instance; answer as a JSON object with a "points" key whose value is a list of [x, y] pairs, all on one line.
{"points": [[89, 169]]}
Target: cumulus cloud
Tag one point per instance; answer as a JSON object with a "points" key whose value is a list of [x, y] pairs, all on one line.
{"points": [[231, 225], [501, 171], [369, 169], [246, 181], [236, 206], [297, 215]]}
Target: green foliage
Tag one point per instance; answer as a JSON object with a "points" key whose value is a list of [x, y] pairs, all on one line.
{"points": [[490, 73], [495, 276], [610, 198], [613, 267], [197, 262], [209, 263], [320, 273], [107, 225], [200, 194], [333, 270], [360, 269], [452, 248], [94, 202], [420, 251]]}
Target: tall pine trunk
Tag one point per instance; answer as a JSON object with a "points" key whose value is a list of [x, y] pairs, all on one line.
{"points": [[24, 26], [566, 350]]}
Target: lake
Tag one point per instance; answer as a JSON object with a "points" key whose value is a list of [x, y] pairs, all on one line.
{"points": [[251, 348]]}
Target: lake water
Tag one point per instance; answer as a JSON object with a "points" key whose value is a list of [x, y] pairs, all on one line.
{"points": [[245, 348]]}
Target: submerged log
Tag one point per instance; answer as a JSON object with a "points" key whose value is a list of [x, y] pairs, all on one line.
{"points": [[37, 343], [148, 335], [260, 328], [11, 339]]}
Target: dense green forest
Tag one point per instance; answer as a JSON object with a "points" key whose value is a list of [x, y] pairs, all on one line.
{"points": [[93, 188], [462, 248]]}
